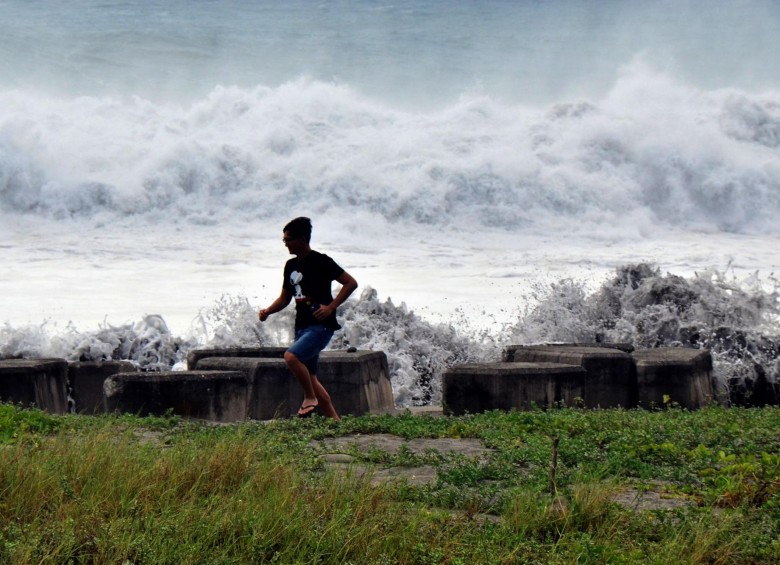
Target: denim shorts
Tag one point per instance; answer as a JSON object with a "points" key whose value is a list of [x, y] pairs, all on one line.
{"points": [[309, 341]]}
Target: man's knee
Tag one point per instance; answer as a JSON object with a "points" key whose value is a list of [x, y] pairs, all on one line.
{"points": [[290, 358]]}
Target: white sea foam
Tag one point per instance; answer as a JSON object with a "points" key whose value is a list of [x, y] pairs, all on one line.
{"points": [[652, 153]]}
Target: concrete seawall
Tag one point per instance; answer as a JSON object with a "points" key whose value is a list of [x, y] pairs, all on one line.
{"points": [[234, 384], [612, 375]]}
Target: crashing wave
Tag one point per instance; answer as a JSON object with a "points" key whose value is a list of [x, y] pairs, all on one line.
{"points": [[652, 151]]}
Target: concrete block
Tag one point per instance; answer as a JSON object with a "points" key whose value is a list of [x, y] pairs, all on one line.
{"points": [[477, 387], [253, 352], [273, 391], [357, 381], [610, 380], [219, 396], [86, 383], [682, 374], [508, 355], [35, 382]]}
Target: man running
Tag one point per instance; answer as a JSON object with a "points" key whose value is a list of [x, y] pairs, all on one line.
{"points": [[307, 279]]}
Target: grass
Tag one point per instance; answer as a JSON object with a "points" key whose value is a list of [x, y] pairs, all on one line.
{"points": [[122, 489]]}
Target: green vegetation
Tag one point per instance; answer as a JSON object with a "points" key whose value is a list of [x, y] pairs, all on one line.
{"points": [[115, 489]]}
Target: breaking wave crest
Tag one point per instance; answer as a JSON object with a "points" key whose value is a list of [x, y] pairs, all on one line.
{"points": [[651, 152]]}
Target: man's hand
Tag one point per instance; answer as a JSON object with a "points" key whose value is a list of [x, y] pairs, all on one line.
{"points": [[323, 312], [278, 305]]}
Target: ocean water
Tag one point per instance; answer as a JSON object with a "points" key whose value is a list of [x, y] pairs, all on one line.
{"points": [[485, 170]]}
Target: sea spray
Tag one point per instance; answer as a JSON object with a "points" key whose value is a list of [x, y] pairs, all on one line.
{"points": [[232, 322], [417, 351], [147, 343], [737, 320]]}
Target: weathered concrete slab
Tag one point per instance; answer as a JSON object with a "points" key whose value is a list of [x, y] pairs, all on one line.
{"points": [[252, 352], [86, 383], [641, 500], [337, 456], [508, 353], [366, 443], [414, 476], [478, 387], [35, 382], [219, 396], [682, 374], [273, 391], [357, 381], [610, 380]]}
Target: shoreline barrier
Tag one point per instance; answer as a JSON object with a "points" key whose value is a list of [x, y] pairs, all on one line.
{"points": [[609, 380], [85, 383], [615, 375], [219, 396], [35, 382], [479, 387], [358, 381], [254, 383]]}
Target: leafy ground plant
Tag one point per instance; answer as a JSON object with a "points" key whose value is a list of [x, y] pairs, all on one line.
{"points": [[113, 489]]}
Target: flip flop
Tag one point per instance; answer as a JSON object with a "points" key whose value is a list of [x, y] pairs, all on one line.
{"points": [[308, 410]]}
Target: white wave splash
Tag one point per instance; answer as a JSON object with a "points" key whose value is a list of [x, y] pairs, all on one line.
{"points": [[147, 343], [737, 320], [417, 351], [652, 153]]}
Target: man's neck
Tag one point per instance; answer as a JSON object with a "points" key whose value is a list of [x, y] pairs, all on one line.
{"points": [[304, 253]]}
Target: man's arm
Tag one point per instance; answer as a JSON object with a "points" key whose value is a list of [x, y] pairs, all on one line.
{"points": [[277, 305], [348, 286]]}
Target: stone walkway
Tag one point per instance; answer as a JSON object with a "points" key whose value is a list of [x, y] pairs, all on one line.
{"points": [[336, 455], [656, 499]]}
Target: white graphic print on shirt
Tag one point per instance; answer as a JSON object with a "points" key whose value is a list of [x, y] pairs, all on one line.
{"points": [[295, 280]]}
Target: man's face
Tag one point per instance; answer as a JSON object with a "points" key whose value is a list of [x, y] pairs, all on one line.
{"points": [[293, 244]]}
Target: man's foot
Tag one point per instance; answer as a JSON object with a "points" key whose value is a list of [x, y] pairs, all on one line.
{"points": [[308, 410]]}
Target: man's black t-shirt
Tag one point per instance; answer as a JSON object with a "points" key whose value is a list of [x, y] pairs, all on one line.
{"points": [[308, 281]]}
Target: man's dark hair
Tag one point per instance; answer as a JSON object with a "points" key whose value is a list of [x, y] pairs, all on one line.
{"points": [[299, 227]]}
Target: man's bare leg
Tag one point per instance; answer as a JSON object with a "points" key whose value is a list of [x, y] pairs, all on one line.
{"points": [[326, 405], [301, 373]]}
